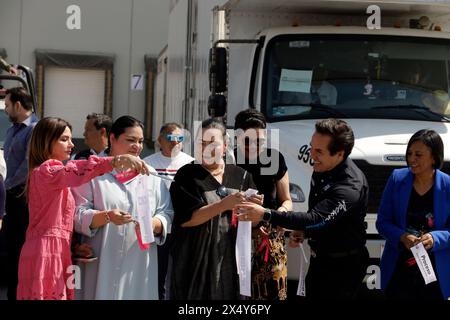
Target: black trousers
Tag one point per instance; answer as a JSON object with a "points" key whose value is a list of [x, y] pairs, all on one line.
{"points": [[163, 264], [407, 284], [336, 277], [16, 224]]}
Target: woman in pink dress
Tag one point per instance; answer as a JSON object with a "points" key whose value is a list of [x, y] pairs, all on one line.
{"points": [[45, 261]]}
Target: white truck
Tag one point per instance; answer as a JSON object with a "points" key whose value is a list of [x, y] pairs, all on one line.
{"points": [[384, 72]]}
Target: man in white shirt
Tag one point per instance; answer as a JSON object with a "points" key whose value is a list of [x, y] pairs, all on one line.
{"points": [[166, 162]]}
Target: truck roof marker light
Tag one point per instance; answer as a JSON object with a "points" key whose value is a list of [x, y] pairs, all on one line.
{"points": [[295, 24], [437, 28], [338, 23], [397, 24]]}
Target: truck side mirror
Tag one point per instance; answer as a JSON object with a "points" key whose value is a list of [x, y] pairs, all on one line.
{"points": [[217, 105], [218, 71]]}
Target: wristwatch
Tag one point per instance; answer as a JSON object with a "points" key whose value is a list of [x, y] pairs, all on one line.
{"points": [[267, 215]]}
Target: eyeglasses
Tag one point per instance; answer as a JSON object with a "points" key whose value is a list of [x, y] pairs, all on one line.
{"points": [[222, 192], [175, 137]]}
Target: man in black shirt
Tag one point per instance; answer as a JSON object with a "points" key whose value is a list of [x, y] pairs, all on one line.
{"points": [[334, 222]]}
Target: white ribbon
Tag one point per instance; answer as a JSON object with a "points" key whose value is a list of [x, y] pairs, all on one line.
{"points": [[301, 289], [244, 252], [424, 263], [144, 215]]}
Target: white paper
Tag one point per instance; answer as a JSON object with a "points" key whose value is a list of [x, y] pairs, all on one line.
{"points": [[250, 192], [301, 289], [144, 215], [243, 256], [424, 263], [295, 80]]}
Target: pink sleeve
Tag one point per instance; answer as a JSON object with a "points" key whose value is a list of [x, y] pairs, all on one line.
{"points": [[56, 175]]}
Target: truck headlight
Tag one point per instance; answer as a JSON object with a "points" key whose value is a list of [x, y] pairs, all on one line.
{"points": [[296, 192]]}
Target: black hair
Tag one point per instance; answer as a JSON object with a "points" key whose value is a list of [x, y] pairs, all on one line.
{"points": [[101, 121], [19, 94], [249, 118], [432, 140], [121, 124], [342, 138]]}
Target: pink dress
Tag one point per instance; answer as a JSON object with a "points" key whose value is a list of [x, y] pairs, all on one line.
{"points": [[46, 255]]}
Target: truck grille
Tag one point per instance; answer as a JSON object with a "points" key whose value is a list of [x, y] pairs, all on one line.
{"points": [[377, 177]]}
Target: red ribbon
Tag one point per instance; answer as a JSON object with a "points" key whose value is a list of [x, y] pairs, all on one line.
{"points": [[265, 243], [410, 262], [123, 177], [142, 246], [233, 219]]}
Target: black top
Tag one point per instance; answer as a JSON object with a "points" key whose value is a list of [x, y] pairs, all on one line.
{"points": [[203, 257], [266, 172], [337, 207], [419, 220], [83, 154]]}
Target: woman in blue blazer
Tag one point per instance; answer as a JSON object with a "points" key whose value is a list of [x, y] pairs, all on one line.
{"points": [[415, 207]]}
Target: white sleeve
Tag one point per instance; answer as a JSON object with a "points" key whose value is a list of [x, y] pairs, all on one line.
{"points": [[84, 212], [163, 210]]}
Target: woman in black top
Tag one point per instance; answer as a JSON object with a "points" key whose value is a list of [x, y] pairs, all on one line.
{"points": [[269, 172], [204, 238]]}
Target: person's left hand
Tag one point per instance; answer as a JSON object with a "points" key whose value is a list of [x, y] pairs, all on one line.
{"points": [[427, 240], [84, 250], [296, 237], [249, 211]]}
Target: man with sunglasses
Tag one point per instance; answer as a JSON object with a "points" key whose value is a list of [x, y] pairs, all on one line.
{"points": [[166, 162]]}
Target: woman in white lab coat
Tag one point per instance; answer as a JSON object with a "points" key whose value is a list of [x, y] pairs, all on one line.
{"points": [[107, 208]]}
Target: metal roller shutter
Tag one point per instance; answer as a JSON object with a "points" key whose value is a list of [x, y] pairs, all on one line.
{"points": [[72, 94]]}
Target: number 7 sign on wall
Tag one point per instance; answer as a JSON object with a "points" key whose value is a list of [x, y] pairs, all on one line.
{"points": [[137, 82]]}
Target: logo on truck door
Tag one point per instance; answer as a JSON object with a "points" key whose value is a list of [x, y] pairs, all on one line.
{"points": [[304, 154]]}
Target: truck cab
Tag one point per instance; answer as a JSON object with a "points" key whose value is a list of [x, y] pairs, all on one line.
{"points": [[386, 85]]}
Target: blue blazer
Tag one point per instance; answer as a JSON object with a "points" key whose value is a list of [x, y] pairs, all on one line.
{"points": [[391, 224]]}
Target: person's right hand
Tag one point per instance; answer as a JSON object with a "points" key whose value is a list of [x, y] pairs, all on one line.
{"points": [[231, 200], [296, 237], [409, 240], [127, 161], [119, 217], [13, 71]]}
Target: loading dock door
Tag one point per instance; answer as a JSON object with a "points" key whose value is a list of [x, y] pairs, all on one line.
{"points": [[72, 94]]}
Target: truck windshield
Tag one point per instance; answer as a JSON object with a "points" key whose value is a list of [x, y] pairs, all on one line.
{"points": [[354, 76]]}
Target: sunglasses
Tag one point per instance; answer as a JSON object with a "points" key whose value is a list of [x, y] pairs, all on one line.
{"points": [[175, 137]]}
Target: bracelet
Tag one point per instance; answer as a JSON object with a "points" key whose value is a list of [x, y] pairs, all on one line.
{"points": [[116, 160]]}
